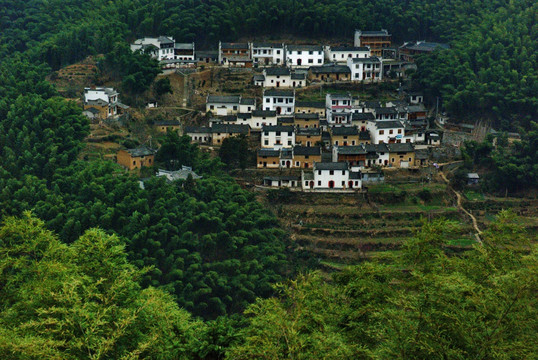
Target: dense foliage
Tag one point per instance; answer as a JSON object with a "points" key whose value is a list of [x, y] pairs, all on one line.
{"points": [[420, 305], [82, 301], [509, 167]]}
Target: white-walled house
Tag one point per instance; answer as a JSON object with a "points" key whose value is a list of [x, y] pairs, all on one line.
{"points": [[331, 175], [184, 51], [338, 108], [304, 56], [161, 48], [365, 69], [267, 54], [340, 54], [247, 105], [223, 105], [277, 77], [262, 118], [277, 137], [391, 131], [279, 100]]}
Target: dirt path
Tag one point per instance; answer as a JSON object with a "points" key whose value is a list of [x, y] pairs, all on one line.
{"points": [[460, 207]]}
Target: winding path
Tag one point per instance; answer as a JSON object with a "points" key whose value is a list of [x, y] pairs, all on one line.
{"points": [[460, 206]]}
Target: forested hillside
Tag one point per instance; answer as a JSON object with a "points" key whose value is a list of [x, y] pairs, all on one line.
{"points": [[490, 72]]}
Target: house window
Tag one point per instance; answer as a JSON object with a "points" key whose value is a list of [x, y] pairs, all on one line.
{"points": [[298, 52], [331, 172], [409, 159], [266, 142], [235, 107], [381, 132], [343, 183], [307, 156], [343, 172], [399, 131], [310, 61], [319, 183], [319, 172], [391, 131], [319, 61], [297, 163], [212, 107]]}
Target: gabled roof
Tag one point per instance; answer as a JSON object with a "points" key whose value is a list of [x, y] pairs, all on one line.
{"points": [[385, 110], [141, 151], [184, 46], [376, 148], [307, 116], [267, 45], [248, 101], [244, 116], [307, 150], [401, 147], [165, 40], [281, 128], [269, 152], [364, 135], [182, 174], [304, 48], [391, 124], [166, 123], [282, 178], [350, 48], [362, 116], [258, 77], [298, 76], [345, 130], [370, 60], [381, 32], [351, 150], [98, 102], [229, 118], [312, 104], [308, 132], [227, 99], [330, 166], [264, 113], [92, 110], [279, 92], [274, 71], [225, 45], [330, 69], [197, 130], [285, 120], [230, 128]]}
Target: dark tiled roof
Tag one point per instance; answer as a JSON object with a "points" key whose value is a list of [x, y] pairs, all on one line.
{"points": [[229, 118], [388, 124], [279, 92], [345, 130], [258, 77], [385, 110], [362, 116], [306, 116], [141, 151], [331, 166], [370, 60], [350, 48], [352, 150], [269, 152], [312, 104], [400, 147], [285, 120], [306, 150], [268, 45], [234, 45], [165, 40], [166, 123], [298, 76], [305, 48], [244, 116], [184, 46], [197, 130], [331, 69], [274, 71], [374, 32], [232, 99], [264, 113], [280, 128], [248, 101], [364, 135], [282, 178], [309, 131], [230, 128]]}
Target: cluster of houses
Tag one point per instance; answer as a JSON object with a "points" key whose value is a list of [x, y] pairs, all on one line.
{"points": [[336, 143], [371, 55], [102, 103]]}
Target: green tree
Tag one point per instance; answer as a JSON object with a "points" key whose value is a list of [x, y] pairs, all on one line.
{"points": [[82, 301], [234, 152]]}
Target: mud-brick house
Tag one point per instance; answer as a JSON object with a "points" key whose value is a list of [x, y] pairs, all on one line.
{"points": [[308, 137], [235, 54], [329, 73], [166, 125], [306, 121], [305, 157], [136, 158], [401, 155], [345, 136], [268, 159], [310, 107], [219, 132]]}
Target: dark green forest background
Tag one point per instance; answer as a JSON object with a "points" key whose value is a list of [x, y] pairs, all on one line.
{"points": [[208, 245], [491, 71]]}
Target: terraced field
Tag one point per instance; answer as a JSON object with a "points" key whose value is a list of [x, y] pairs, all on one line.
{"points": [[334, 230]]}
